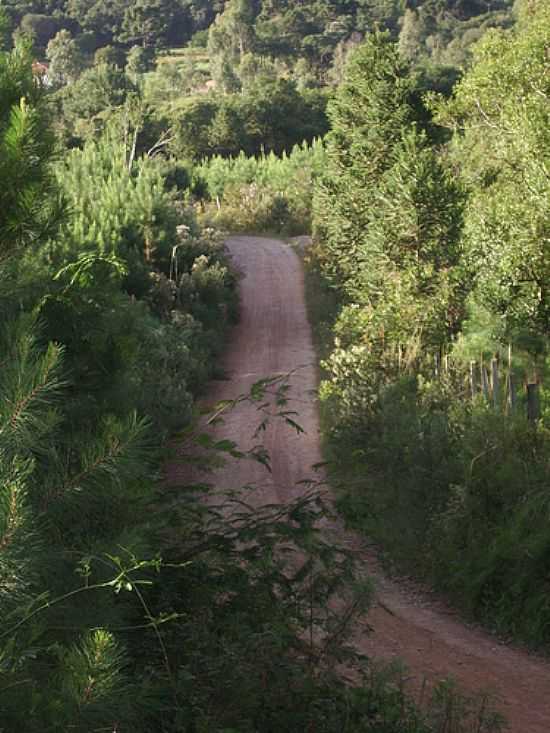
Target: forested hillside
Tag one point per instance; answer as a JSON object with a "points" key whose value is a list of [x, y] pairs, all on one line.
{"points": [[275, 61], [131, 131], [243, 33]]}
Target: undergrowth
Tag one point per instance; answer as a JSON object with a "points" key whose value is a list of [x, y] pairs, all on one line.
{"points": [[454, 492]]}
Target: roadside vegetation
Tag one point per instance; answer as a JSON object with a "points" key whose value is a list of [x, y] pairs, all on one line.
{"points": [[131, 131], [436, 342]]}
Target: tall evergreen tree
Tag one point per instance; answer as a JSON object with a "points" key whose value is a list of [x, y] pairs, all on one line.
{"points": [[388, 219], [367, 118], [27, 210]]}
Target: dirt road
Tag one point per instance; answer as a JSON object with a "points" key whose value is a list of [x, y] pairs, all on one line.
{"points": [[274, 337]]}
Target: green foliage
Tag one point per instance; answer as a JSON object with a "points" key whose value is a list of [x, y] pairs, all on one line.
{"points": [[135, 657], [92, 680], [75, 457], [265, 193], [89, 103], [367, 117], [388, 220], [453, 491], [445, 32], [149, 22], [65, 59], [91, 271], [151, 25], [40, 526], [230, 38], [109, 56], [134, 218], [279, 35], [40, 28], [419, 264], [273, 116], [138, 61], [28, 207], [152, 352], [507, 237]]}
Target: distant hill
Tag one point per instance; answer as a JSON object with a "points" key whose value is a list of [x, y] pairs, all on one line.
{"points": [[309, 38]]}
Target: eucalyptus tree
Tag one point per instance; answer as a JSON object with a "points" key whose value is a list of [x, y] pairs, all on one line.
{"points": [[500, 116]]}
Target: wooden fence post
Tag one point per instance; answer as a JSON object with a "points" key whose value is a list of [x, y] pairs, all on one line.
{"points": [[533, 406], [511, 396], [473, 381], [511, 392], [495, 382], [484, 381]]}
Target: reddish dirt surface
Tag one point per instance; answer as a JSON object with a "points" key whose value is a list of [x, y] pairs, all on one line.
{"points": [[274, 337]]}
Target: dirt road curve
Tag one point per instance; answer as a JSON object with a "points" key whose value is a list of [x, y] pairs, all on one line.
{"points": [[274, 337]]}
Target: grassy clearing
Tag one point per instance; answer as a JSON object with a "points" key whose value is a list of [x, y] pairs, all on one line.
{"points": [[180, 57]]}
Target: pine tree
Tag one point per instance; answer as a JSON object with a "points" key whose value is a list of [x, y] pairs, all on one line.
{"points": [[409, 262], [59, 493], [28, 206], [367, 117], [388, 218]]}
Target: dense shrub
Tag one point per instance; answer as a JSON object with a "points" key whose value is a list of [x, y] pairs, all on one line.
{"points": [[456, 493]]}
